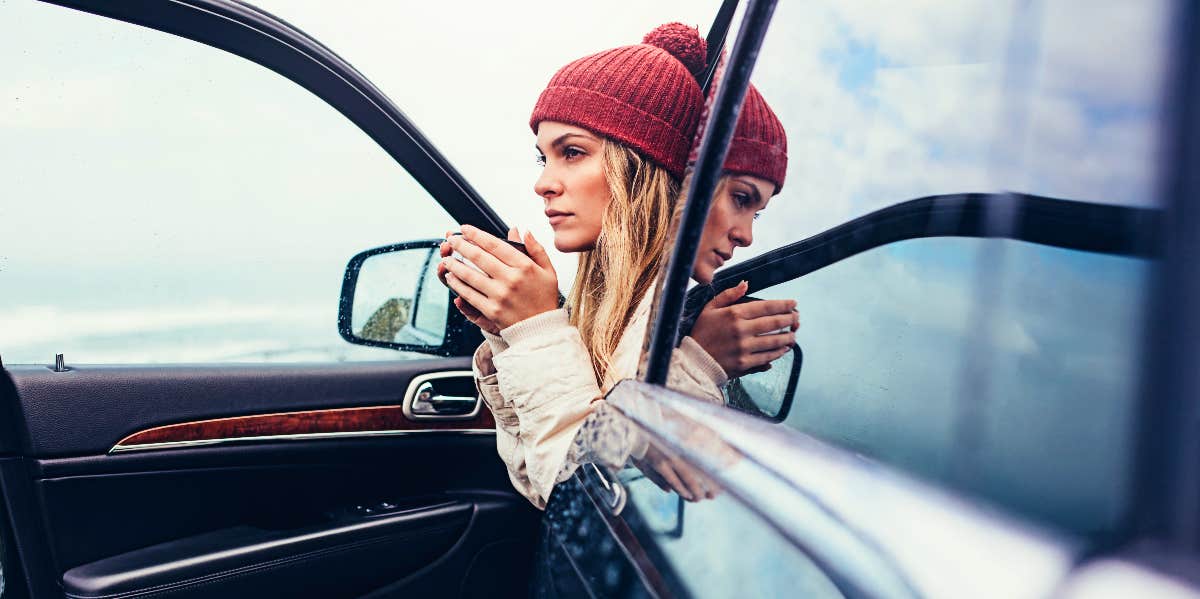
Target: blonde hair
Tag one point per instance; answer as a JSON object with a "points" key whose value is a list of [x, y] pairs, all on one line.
{"points": [[615, 274]]}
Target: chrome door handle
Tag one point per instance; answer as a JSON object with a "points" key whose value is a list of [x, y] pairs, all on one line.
{"points": [[423, 402], [616, 495]]}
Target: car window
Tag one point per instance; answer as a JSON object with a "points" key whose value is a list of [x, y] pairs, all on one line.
{"points": [[889, 337], [883, 104], [1005, 368], [166, 201]]}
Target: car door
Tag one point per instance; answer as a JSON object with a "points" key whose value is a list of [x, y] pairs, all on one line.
{"points": [[976, 414], [181, 417]]}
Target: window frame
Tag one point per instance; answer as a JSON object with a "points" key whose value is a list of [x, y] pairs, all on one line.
{"points": [[1069, 224]]}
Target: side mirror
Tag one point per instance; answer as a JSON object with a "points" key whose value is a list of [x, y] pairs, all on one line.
{"points": [[767, 394], [391, 297]]}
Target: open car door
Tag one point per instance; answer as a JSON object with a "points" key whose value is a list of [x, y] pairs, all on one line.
{"points": [[156, 477]]}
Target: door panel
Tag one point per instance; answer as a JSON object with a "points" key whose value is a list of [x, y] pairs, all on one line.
{"points": [[123, 400], [248, 560], [116, 522]]}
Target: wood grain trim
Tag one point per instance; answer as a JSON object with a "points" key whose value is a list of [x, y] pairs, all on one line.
{"points": [[337, 421]]}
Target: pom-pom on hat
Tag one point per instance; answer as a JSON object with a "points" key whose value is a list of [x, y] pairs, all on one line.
{"points": [[644, 96], [759, 145]]}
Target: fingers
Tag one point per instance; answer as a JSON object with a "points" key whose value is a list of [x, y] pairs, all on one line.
{"points": [[761, 361], [500, 250], [692, 480], [767, 324], [468, 293], [441, 271], [486, 262], [652, 475], [759, 308], [513, 236], [665, 470], [537, 252], [758, 369], [467, 309], [475, 316], [481, 282], [769, 343], [729, 296]]}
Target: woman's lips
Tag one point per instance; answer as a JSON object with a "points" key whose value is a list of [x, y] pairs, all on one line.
{"points": [[720, 258], [556, 217]]}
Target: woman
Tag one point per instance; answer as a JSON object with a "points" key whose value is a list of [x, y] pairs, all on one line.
{"points": [[613, 133], [737, 335]]}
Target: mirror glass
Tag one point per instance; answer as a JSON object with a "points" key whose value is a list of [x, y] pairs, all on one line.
{"points": [[398, 299], [767, 393]]}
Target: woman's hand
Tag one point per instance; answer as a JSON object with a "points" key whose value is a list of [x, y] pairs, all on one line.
{"points": [[512, 286], [734, 334], [468, 311], [673, 474]]}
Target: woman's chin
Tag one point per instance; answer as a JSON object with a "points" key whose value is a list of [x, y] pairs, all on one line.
{"points": [[702, 275], [569, 244]]}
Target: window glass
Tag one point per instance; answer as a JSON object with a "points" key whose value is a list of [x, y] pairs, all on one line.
{"points": [[881, 102], [472, 92], [166, 201], [887, 335], [886, 102], [979, 363], [1083, 117]]}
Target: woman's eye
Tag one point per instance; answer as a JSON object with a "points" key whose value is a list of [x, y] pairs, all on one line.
{"points": [[571, 153], [541, 159], [756, 215], [742, 200]]}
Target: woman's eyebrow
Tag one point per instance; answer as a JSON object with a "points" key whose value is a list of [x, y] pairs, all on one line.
{"points": [[562, 139], [753, 189]]}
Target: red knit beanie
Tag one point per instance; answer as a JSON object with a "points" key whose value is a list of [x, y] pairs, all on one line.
{"points": [[644, 96], [759, 146]]}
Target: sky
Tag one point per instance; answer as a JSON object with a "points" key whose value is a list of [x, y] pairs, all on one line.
{"points": [[161, 189]]}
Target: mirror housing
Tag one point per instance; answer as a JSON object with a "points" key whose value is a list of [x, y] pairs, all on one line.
{"points": [[391, 298]]}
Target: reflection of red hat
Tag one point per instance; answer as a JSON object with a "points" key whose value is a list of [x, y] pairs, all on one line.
{"points": [[644, 95], [759, 146]]}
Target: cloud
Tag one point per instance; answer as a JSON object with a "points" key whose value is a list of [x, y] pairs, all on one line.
{"points": [[885, 102]]}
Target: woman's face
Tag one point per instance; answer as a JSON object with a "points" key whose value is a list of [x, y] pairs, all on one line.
{"points": [[572, 185], [730, 222]]}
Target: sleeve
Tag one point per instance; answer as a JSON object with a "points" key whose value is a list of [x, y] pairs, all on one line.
{"points": [[694, 372], [546, 376], [508, 426]]}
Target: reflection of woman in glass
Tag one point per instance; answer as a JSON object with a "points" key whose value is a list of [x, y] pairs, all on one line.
{"points": [[742, 338], [738, 336], [613, 133]]}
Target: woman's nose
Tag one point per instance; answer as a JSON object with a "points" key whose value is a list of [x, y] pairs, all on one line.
{"points": [[742, 235], [547, 185]]}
